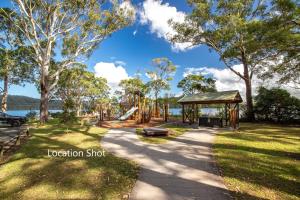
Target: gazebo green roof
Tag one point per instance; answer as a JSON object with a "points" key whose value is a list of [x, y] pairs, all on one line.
{"points": [[232, 96]]}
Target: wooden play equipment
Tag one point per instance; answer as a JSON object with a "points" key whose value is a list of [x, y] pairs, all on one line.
{"points": [[166, 112], [104, 111], [142, 110], [230, 99]]}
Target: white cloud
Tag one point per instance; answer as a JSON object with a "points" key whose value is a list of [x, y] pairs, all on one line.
{"points": [[179, 94], [227, 80], [157, 15], [112, 72], [134, 32], [120, 62]]}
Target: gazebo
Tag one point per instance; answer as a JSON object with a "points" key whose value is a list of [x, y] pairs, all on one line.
{"points": [[230, 99]]}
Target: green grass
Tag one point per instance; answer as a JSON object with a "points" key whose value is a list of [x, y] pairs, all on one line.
{"points": [[260, 161], [31, 174], [176, 130]]}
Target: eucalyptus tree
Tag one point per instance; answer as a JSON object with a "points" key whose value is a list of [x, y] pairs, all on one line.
{"points": [[16, 65], [192, 84], [284, 38], [78, 88], [130, 86], [239, 31], [97, 90], [162, 74], [73, 28]]}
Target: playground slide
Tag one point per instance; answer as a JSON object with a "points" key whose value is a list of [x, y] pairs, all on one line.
{"points": [[128, 113]]}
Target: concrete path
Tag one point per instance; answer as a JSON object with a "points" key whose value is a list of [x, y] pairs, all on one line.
{"points": [[182, 169]]}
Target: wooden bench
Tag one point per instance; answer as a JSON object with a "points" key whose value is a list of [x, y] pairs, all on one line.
{"points": [[156, 131], [210, 121]]}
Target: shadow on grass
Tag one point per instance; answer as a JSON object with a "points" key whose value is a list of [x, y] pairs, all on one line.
{"points": [[30, 173], [258, 156], [269, 152]]}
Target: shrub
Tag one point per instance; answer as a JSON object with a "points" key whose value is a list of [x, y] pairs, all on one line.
{"points": [[56, 115], [67, 116], [31, 115], [276, 105]]}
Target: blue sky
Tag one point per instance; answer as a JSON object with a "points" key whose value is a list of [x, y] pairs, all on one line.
{"points": [[132, 49]]}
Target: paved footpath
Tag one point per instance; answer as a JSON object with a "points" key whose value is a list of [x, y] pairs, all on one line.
{"points": [[182, 169]]}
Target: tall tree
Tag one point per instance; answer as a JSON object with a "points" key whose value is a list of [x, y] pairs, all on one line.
{"points": [[16, 65], [237, 31], [162, 74], [129, 87], [78, 87], [284, 38], [277, 104], [192, 84], [74, 28]]}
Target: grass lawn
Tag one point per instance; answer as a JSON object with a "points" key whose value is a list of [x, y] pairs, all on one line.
{"points": [[176, 130], [260, 161], [31, 174]]}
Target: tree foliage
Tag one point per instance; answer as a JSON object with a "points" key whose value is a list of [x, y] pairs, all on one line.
{"points": [[162, 74], [283, 37], [79, 90], [130, 87], [241, 32], [276, 105], [16, 63], [192, 84], [74, 28]]}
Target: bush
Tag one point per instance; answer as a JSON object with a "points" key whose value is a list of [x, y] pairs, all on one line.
{"points": [[31, 115], [67, 116], [277, 105], [56, 114]]}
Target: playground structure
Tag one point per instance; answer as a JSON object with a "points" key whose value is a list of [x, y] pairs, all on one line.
{"points": [[128, 113], [134, 106], [142, 110]]}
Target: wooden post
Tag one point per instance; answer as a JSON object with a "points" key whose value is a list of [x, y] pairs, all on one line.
{"points": [[196, 112], [226, 117], [166, 111], [100, 112], [193, 114], [1, 150], [183, 113], [18, 141], [139, 108], [27, 133], [238, 115]]}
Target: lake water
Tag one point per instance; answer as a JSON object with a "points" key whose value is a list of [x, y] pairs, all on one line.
{"points": [[24, 112], [173, 111], [204, 111]]}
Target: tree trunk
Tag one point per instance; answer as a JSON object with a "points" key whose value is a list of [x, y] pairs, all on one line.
{"points": [[5, 93], [249, 101], [78, 109], [44, 84], [156, 106]]}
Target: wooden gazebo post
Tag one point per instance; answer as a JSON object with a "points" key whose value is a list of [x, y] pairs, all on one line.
{"points": [[183, 120], [226, 117], [193, 113]]}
